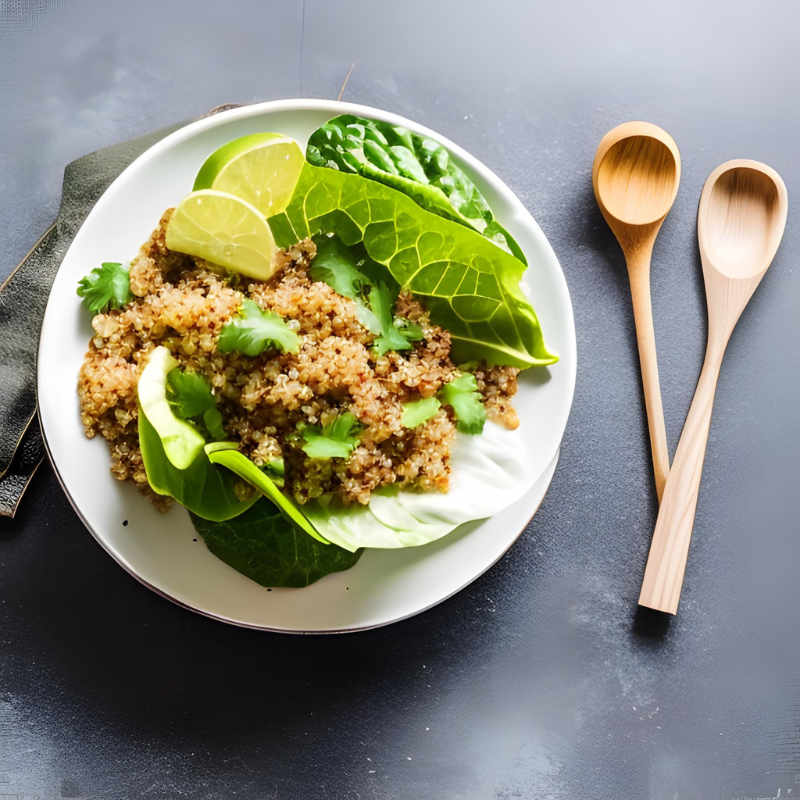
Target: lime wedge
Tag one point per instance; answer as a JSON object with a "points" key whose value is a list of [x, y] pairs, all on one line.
{"points": [[261, 168], [225, 230], [181, 442]]}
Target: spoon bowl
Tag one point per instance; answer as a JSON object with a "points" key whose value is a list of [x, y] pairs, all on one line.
{"points": [[637, 179], [635, 175], [741, 219], [740, 223]]}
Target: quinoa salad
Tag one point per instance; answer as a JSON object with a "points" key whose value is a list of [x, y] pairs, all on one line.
{"points": [[183, 302], [315, 353]]}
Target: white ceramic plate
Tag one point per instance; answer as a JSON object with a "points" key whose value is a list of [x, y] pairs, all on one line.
{"points": [[164, 552]]}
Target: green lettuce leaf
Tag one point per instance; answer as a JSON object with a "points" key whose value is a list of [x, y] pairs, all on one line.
{"points": [[181, 441], [419, 411], [462, 395], [106, 286], [276, 469], [489, 473], [262, 545], [241, 465], [190, 397], [469, 286], [415, 165], [252, 331], [178, 461], [337, 439], [204, 489]]}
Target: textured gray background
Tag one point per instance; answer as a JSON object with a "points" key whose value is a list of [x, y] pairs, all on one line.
{"points": [[540, 680]]}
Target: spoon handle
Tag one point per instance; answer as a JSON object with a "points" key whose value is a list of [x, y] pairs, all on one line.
{"points": [[663, 575], [639, 276]]}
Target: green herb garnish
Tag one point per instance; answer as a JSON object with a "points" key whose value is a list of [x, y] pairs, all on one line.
{"points": [[396, 333], [337, 265], [462, 395], [351, 273], [252, 331], [419, 411], [276, 467], [107, 286], [190, 397], [337, 439]]}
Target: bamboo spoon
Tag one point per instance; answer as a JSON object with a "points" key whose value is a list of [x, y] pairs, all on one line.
{"points": [[635, 176], [740, 224]]}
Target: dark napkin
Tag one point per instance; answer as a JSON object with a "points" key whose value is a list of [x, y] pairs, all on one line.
{"points": [[23, 298]]}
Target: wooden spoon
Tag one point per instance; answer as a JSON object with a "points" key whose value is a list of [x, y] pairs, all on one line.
{"points": [[636, 172], [740, 224]]}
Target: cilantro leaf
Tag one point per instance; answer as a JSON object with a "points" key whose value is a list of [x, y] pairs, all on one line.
{"points": [[252, 331], [190, 398], [397, 335], [106, 286], [390, 337], [335, 265], [351, 273], [462, 395], [337, 439], [189, 394], [212, 419], [410, 330], [419, 411]]}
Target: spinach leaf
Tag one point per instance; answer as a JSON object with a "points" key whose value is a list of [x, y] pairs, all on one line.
{"points": [[415, 165], [204, 489], [462, 395], [470, 287], [190, 396], [350, 272], [252, 331], [106, 286], [262, 545], [419, 411], [337, 439]]}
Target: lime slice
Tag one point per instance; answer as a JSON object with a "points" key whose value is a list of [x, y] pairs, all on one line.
{"points": [[225, 230], [181, 442], [261, 168]]}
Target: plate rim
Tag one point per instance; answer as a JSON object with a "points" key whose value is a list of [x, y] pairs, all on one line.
{"points": [[335, 107]]}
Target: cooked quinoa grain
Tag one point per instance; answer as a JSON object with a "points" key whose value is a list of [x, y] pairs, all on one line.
{"points": [[183, 303]]}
